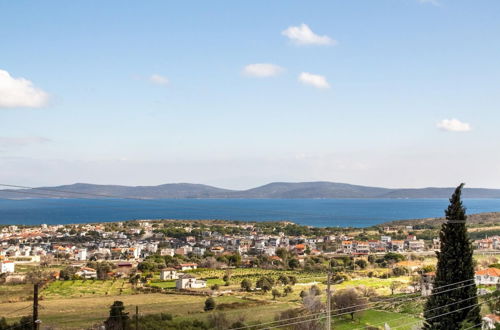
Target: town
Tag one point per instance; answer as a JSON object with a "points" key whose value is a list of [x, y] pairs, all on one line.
{"points": [[223, 258]]}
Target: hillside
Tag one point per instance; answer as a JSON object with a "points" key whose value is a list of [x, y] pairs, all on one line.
{"points": [[271, 190], [486, 218]]}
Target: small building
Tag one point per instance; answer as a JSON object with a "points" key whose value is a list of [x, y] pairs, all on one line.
{"points": [[124, 268], [87, 272], [188, 281], [347, 247], [188, 266], [416, 245], [397, 245], [168, 274], [489, 276], [427, 283], [7, 266], [81, 255], [167, 252], [411, 266]]}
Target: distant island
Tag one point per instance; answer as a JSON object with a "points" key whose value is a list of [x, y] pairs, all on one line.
{"points": [[273, 190]]}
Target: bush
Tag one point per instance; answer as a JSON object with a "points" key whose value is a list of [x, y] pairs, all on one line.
{"points": [[209, 304]]}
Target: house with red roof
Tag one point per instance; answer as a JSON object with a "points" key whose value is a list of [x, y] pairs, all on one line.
{"points": [[488, 276]]}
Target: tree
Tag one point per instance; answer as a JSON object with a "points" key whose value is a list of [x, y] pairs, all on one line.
{"points": [[292, 279], [227, 278], [209, 304], [283, 279], [361, 263], [287, 290], [118, 319], [395, 285], [218, 321], [67, 273], [349, 301], [455, 270], [37, 276], [276, 293], [293, 263], [315, 290], [265, 283], [246, 285]]}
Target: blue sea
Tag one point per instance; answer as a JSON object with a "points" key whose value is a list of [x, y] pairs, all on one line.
{"points": [[313, 212]]}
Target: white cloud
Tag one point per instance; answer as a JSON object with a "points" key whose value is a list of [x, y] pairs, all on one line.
{"points": [[303, 35], [314, 80], [453, 125], [262, 70], [432, 2], [158, 79], [21, 141], [20, 93]]}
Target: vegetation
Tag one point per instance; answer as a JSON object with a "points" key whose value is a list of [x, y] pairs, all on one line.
{"points": [[455, 269]]}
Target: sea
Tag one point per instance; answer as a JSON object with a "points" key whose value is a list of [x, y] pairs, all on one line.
{"points": [[312, 212]]}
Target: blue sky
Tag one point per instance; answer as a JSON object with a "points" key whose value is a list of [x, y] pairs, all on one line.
{"points": [[399, 93]]}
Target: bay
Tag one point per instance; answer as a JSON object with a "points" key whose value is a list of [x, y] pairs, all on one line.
{"points": [[313, 212]]}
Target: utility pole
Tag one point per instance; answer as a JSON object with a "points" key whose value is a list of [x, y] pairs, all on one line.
{"points": [[328, 301], [136, 317], [36, 322]]}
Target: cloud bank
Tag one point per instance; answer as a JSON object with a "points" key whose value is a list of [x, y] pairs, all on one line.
{"points": [[303, 35], [20, 93], [21, 141], [453, 125], [314, 80]]}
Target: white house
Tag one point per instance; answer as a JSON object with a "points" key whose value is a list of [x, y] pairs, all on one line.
{"points": [[168, 274], [489, 276], [167, 252], [87, 272], [82, 254], [188, 266], [189, 282], [7, 266]]}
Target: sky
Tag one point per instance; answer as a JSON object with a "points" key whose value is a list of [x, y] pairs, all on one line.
{"points": [[393, 93]]}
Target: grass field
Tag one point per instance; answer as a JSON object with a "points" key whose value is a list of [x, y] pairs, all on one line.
{"points": [[84, 288], [376, 318], [15, 292]]}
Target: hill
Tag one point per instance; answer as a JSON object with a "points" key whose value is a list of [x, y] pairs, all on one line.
{"points": [[271, 190]]}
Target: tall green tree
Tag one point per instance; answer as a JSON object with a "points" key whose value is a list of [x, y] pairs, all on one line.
{"points": [[453, 302], [118, 319]]}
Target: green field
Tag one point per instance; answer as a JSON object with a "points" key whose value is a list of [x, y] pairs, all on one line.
{"points": [[84, 288]]}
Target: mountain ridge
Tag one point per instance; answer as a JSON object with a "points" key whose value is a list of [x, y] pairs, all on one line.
{"points": [[273, 190]]}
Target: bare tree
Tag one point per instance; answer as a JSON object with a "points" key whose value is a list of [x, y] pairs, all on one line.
{"points": [[349, 301]]}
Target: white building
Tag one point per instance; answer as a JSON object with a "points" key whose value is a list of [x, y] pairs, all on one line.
{"points": [[189, 282], [168, 274], [82, 254], [7, 266], [188, 266], [87, 272], [167, 252], [489, 276]]}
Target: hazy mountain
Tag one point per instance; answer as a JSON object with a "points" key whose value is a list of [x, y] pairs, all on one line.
{"points": [[271, 190]]}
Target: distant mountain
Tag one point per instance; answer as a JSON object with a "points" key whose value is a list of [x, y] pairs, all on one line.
{"points": [[271, 190]]}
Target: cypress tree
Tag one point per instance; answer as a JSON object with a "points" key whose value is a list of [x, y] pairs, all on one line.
{"points": [[457, 300]]}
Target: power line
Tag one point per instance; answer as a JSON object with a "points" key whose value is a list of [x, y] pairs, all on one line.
{"points": [[319, 318], [435, 308], [371, 303], [447, 313]]}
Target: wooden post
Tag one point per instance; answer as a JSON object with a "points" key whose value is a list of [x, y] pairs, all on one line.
{"points": [[136, 317], [328, 302], [35, 308]]}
